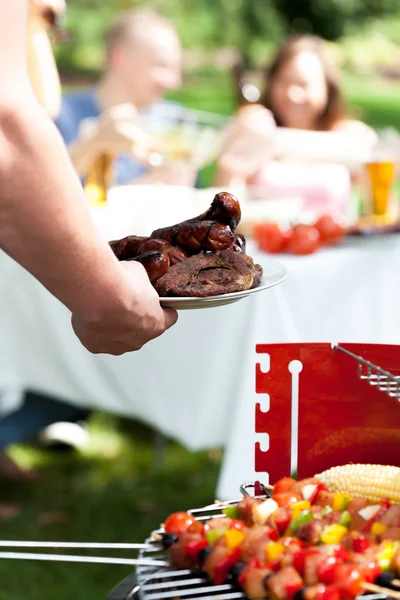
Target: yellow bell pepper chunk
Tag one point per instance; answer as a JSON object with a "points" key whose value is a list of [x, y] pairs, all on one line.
{"points": [[298, 508], [378, 528], [340, 501], [333, 534], [385, 555], [273, 550], [234, 538]]}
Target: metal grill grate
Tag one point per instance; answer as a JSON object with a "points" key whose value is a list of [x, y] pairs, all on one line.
{"points": [[152, 583], [375, 376]]}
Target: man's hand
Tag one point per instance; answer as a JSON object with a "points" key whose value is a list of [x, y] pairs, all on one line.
{"points": [[139, 320]]}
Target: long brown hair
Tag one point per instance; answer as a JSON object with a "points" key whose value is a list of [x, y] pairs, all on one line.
{"points": [[335, 109]]}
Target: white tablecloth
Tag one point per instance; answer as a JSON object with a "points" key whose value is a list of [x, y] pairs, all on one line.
{"points": [[196, 382]]}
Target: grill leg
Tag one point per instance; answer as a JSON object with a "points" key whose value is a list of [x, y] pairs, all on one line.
{"points": [[128, 589]]}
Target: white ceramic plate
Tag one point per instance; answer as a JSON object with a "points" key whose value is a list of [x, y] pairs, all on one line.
{"points": [[274, 273]]}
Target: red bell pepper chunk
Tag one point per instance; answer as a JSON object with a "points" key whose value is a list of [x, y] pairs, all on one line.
{"points": [[331, 592], [385, 505], [273, 534], [361, 544], [221, 570], [292, 588], [193, 548], [341, 552], [253, 563], [299, 559], [275, 564], [237, 524], [371, 571], [326, 569], [319, 487]]}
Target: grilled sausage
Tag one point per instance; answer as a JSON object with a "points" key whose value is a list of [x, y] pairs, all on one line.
{"points": [[156, 263], [225, 208], [197, 235], [127, 247]]}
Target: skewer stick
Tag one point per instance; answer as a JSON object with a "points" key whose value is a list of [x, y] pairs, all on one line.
{"points": [[80, 545], [377, 589], [85, 559]]}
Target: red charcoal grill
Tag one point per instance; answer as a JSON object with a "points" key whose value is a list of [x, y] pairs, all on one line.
{"points": [[324, 406]]}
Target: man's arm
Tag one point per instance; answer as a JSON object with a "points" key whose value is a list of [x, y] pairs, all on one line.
{"points": [[45, 224]]}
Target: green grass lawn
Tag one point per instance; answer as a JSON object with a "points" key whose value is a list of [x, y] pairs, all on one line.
{"points": [[116, 491]]}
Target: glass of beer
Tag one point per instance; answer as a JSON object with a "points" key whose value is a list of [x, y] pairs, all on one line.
{"points": [[382, 176]]}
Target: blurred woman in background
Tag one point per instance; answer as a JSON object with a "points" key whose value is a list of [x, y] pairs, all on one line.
{"points": [[302, 92]]}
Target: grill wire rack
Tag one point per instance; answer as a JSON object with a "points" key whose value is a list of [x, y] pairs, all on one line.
{"points": [[374, 375], [152, 583]]}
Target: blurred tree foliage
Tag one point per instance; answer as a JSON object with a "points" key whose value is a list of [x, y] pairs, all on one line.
{"points": [[248, 25]]}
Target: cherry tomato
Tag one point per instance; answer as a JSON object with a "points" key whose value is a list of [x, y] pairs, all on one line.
{"points": [[237, 524], [270, 237], [284, 485], [326, 569], [349, 580], [285, 498], [371, 571], [179, 523], [305, 239], [330, 231], [197, 527]]}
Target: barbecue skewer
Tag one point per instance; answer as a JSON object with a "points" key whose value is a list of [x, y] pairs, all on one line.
{"points": [[77, 545], [84, 559], [377, 589]]}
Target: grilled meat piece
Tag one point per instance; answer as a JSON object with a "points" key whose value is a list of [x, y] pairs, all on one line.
{"points": [[126, 247], [208, 275], [155, 262], [197, 235], [175, 253], [225, 208]]}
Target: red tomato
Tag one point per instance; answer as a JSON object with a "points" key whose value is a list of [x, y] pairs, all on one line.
{"points": [[371, 571], [285, 498], [270, 237], [283, 485], [331, 592], [197, 527], [237, 524], [349, 580], [326, 569], [305, 239], [330, 231], [179, 523]]}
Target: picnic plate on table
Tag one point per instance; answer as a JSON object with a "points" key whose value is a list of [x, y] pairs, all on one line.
{"points": [[274, 273]]}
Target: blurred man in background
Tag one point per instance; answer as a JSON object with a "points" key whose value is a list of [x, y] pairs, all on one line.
{"points": [[143, 62]]}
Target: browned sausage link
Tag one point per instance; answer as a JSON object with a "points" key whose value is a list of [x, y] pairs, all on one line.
{"points": [[156, 263], [197, 235], [204, 235], [175, 253], [225, 208], [126, 247], [239, 243]]}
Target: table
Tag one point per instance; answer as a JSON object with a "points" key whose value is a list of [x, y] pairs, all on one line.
{"points": [[196, 383]]}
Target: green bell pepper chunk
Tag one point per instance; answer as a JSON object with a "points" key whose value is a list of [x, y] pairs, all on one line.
{"points": [[346, 501], [304, 517], [232, 512], [345, 518], [213, 535]]}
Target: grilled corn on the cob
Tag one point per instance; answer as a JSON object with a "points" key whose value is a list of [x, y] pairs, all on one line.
{"points": [[364, 481]]}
